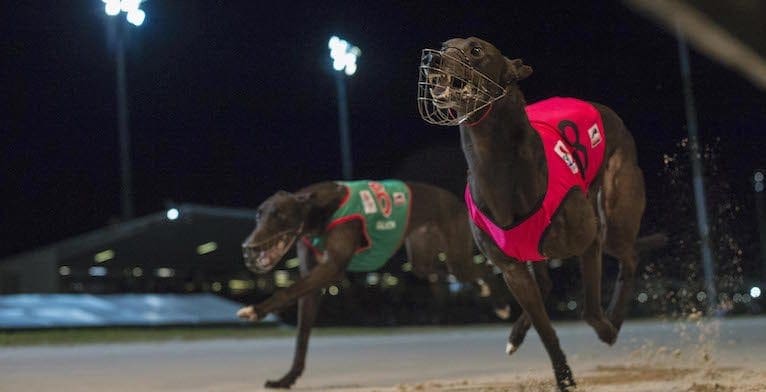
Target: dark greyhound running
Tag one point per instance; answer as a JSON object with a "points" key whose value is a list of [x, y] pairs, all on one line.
{"points": [[556, 179], [338, 225]]}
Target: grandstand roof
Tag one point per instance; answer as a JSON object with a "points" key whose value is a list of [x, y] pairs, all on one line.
{"points": [[202, 238]]}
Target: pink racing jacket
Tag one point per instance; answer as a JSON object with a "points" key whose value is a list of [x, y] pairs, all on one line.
{"points": [[573, 138]]}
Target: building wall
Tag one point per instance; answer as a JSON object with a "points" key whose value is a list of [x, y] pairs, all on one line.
{"points": [[33, 272]]}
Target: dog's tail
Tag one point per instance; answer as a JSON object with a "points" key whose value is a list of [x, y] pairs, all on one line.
{"points": [[651, 242]]}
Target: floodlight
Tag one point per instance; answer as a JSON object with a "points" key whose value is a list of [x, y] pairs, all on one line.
{"points": [[343, 54], [755, 291], [136, 17], [112, 7], [129, 5], [132, 9]]}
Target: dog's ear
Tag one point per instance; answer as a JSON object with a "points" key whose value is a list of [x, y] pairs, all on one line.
{"points": [[305, 197], [515, 70]]}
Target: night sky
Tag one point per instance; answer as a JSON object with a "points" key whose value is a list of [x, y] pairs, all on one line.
{"points": [[232, 100]]}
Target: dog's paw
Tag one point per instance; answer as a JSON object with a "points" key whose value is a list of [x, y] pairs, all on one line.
{"points": [[248, 313], [503, 313], [281, 384], [484, 290]]}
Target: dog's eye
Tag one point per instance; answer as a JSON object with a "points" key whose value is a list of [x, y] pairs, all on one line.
{"points": [[476, 51]]}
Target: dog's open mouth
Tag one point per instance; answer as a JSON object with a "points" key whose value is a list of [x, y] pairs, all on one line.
{"points": [[448, 91], [263, 256]]}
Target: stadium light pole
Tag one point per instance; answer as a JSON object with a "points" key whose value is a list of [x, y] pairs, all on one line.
{"points": [[703, 227], [135, 16], [759, 183], [343, 56]]}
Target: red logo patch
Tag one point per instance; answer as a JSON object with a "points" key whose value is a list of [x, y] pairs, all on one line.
{"points": [[384, 200]]}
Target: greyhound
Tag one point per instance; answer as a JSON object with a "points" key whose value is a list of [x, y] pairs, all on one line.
{"points": [[436, 223], [514, 167]]}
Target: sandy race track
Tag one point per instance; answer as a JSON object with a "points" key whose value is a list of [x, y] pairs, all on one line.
{"points": [[695, 356]]}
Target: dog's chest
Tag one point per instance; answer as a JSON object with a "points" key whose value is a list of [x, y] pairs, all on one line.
{"points": [[572, 136]]}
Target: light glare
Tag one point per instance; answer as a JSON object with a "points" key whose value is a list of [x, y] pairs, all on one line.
{"points": [[165, 272], [755, 292], [136, 17], [97, 271], [333, 42], [112, 7], [206, 248], [350, 69], [292, 263], [101, 257], [282, 278], [172, 214], [129, 5], [241, 285], [134, 14]]}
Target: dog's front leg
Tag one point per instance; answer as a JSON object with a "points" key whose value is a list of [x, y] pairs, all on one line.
{"points": [[308, 306], [319, 277], [342, 242], [307, 311]]}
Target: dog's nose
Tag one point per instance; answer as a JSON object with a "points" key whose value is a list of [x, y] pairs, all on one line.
{"points": [[431, 59]]}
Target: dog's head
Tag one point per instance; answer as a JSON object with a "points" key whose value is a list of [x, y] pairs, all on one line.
{"points": [[278, 222], [462, 77]]}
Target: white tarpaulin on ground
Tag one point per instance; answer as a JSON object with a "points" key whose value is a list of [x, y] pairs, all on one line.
{"points": [[86, 310]]}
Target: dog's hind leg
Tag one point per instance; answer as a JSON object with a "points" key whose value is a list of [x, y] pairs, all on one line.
{"points": [[459, 251], [623, 288], [523, 322], [308, 307], [593, 314], [423, 246], [624, 205]]}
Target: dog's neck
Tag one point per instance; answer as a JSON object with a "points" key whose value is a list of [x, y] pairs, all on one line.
{"points": [[506, 161], [328, 197]]}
